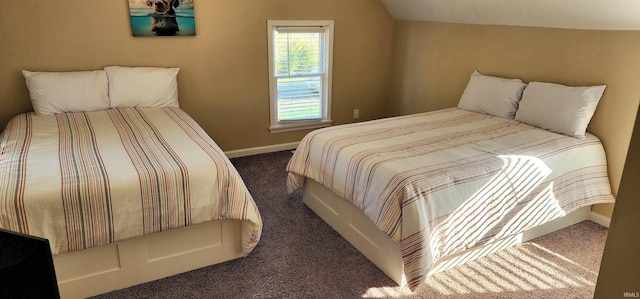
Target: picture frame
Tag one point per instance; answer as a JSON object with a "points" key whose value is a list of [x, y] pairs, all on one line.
{"points": [[162, 17]]}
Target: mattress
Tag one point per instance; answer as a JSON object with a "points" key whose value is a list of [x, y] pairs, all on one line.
{"points": [[89, 179]]}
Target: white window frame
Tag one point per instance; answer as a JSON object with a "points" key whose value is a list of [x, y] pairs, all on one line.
{"points": [[284, 126]]}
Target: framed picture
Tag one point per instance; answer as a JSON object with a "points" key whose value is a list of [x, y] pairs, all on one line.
{"points": [[162, 17]]}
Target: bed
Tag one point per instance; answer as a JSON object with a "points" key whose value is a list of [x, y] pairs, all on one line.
{"points": [[124, 195], [124, 184], [421, 193]]}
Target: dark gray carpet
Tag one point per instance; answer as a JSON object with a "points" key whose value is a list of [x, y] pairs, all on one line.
{"points": [[300, 256]]}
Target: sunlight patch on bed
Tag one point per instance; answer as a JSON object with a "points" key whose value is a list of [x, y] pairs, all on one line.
{"points": [[492, 220], [513, 200]]}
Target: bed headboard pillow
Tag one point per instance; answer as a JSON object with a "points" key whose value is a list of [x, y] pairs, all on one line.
{"points": [[59, 92], [492, 95], [559, 108], [142, 86]]}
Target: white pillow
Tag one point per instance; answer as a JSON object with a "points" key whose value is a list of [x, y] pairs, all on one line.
{"points": [[59, 92], [142, 86], [492, 95], [559, 108]]}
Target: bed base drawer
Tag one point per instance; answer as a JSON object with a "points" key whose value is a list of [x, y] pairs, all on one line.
{"points": [[130, 262]]}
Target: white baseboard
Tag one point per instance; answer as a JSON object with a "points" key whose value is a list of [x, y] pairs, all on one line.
{"points": [[261, 150], [599, 219]]}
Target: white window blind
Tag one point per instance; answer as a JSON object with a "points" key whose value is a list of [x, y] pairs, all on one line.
{"points": [[300, 74]]}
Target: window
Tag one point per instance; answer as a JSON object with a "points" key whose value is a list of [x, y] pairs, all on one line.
{"points": [[300, 74]]}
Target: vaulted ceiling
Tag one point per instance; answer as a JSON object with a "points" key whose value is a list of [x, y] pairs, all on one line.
{"points": [[574, 14]]}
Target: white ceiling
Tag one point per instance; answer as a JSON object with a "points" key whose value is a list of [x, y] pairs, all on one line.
{"points": [[575, 14]]}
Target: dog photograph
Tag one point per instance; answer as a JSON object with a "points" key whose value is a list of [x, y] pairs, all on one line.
{"points": [[162, 17]]}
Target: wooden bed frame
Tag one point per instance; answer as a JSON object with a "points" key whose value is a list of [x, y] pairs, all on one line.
{"points": [[130, 262], [362, 233]]}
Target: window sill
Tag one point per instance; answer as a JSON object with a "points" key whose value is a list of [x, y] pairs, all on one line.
{"points": [[299, 126]]}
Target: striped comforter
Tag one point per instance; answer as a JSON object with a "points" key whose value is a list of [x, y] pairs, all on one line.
{"points": [[445, 181], [88, 179]]}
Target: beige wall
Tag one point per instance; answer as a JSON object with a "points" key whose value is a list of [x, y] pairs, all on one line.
{"points": [[433, 61], [619, 267], [223, 82]]}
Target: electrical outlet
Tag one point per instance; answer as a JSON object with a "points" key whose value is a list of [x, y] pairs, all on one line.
{"points": [[356, 113]]}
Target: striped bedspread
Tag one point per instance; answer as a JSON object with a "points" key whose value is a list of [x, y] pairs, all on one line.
{"points": [[88, 179], [445, 181]]}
